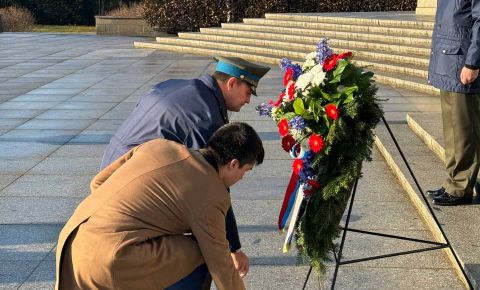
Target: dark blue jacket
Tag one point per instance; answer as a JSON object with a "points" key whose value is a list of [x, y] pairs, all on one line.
{"points": [[455, 43], [185, 111]]}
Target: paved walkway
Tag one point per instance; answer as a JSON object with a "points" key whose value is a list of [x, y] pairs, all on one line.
{"points": [[62, 97]]}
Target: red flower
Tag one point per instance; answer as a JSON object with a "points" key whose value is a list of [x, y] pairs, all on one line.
{"points": [[270, 102], [316, 142], [297, 165], [307, 193], [291, 91], [312, 186], [288, 142], [332, 111], [346, 55], [280, 99], [330, 62], [288, 76], [313, 183], [283, 127]]}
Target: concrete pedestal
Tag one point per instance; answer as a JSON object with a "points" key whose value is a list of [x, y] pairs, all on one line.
{"points": [[426, 7]]}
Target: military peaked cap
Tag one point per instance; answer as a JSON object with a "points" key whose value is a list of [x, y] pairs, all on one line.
{"points": [[241, 69]]}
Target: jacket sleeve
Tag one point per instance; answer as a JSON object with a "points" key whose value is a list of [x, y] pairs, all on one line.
{"points": [[232, 231], [209, 230], [473, 54], [185, 130], [103, 175]]}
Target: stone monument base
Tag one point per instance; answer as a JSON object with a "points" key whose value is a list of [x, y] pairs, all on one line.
{"points": [[426, 7]]}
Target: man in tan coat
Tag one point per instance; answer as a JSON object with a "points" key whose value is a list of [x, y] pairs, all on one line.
{"points": [[132, 231]]}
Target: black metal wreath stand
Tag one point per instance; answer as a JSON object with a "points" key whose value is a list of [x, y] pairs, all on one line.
{"points": [[433, 245]]}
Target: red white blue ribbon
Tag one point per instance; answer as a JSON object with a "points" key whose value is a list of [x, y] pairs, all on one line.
{"points": [[288, 201], [293, 220]]}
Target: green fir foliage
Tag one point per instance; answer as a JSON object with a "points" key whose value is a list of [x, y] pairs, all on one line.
{"points": [[350, 140]]}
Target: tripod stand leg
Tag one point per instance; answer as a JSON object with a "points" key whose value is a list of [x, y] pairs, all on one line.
{"points": [[337, 260], [308, 276]]}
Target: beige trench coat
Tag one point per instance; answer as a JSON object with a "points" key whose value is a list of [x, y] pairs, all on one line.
{"points": [[128, 234]]}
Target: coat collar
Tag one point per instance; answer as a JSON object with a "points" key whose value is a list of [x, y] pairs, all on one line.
{"points": [[211, 83]]}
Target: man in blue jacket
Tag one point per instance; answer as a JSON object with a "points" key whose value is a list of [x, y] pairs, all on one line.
{"points": [[189, 112], [454, 64]]}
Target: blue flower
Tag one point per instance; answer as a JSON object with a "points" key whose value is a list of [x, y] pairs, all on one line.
{"points": [[285, 63], [323, 50], [264, 109], [297, 122], [297, 70], [307, 171]]}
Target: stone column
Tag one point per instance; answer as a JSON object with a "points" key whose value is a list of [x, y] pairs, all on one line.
{"points": [[426, 7]]}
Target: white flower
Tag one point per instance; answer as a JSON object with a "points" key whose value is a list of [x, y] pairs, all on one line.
{"points": [[274, 113], [304, 80], [318, 78], [318, 75], [308, 64], [312, 55], [317, 69], [305, 92], [296, 134]]}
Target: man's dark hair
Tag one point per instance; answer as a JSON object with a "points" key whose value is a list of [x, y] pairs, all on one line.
{"points": [[237, 141], [221, 77]]}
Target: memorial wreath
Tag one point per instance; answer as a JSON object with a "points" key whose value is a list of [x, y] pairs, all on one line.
{"points": [[325, 116]]}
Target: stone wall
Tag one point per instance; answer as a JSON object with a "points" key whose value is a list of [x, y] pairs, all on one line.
{"points": [[426, 7], [131, 26]]}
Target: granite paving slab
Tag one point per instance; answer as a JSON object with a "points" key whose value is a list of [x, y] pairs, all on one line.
{"points": [[31, 242], [46, 136], [17, 167], [10, 150], [28, 210], [80, 149], [26, 105], [105, 125], [7, 124], [19, 113], [72, 114], [6, 179], [13, 273], [53, 124], [48, 185], [83, 165], [41, 98], [69, 105], [42, 278], [56, 91], [93, 137]]}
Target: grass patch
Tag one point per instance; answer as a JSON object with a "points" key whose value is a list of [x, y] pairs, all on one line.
{"points": [[64, 28]]}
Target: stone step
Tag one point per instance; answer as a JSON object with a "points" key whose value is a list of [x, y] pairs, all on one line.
{"points": [[378, 38], [385, 30], [404, 81], [205, 51], [429, 172], [281, 40], [406, 70], [347, 18], [382, 76], [298, 54], [409, 70], [427, 126]]}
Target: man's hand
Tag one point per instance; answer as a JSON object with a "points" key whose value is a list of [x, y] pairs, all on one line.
{"points": [[241, 262], [468, 76]]}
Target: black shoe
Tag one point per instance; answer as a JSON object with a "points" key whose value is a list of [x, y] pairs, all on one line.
{"points": [[447, 199], [435, 192]]}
